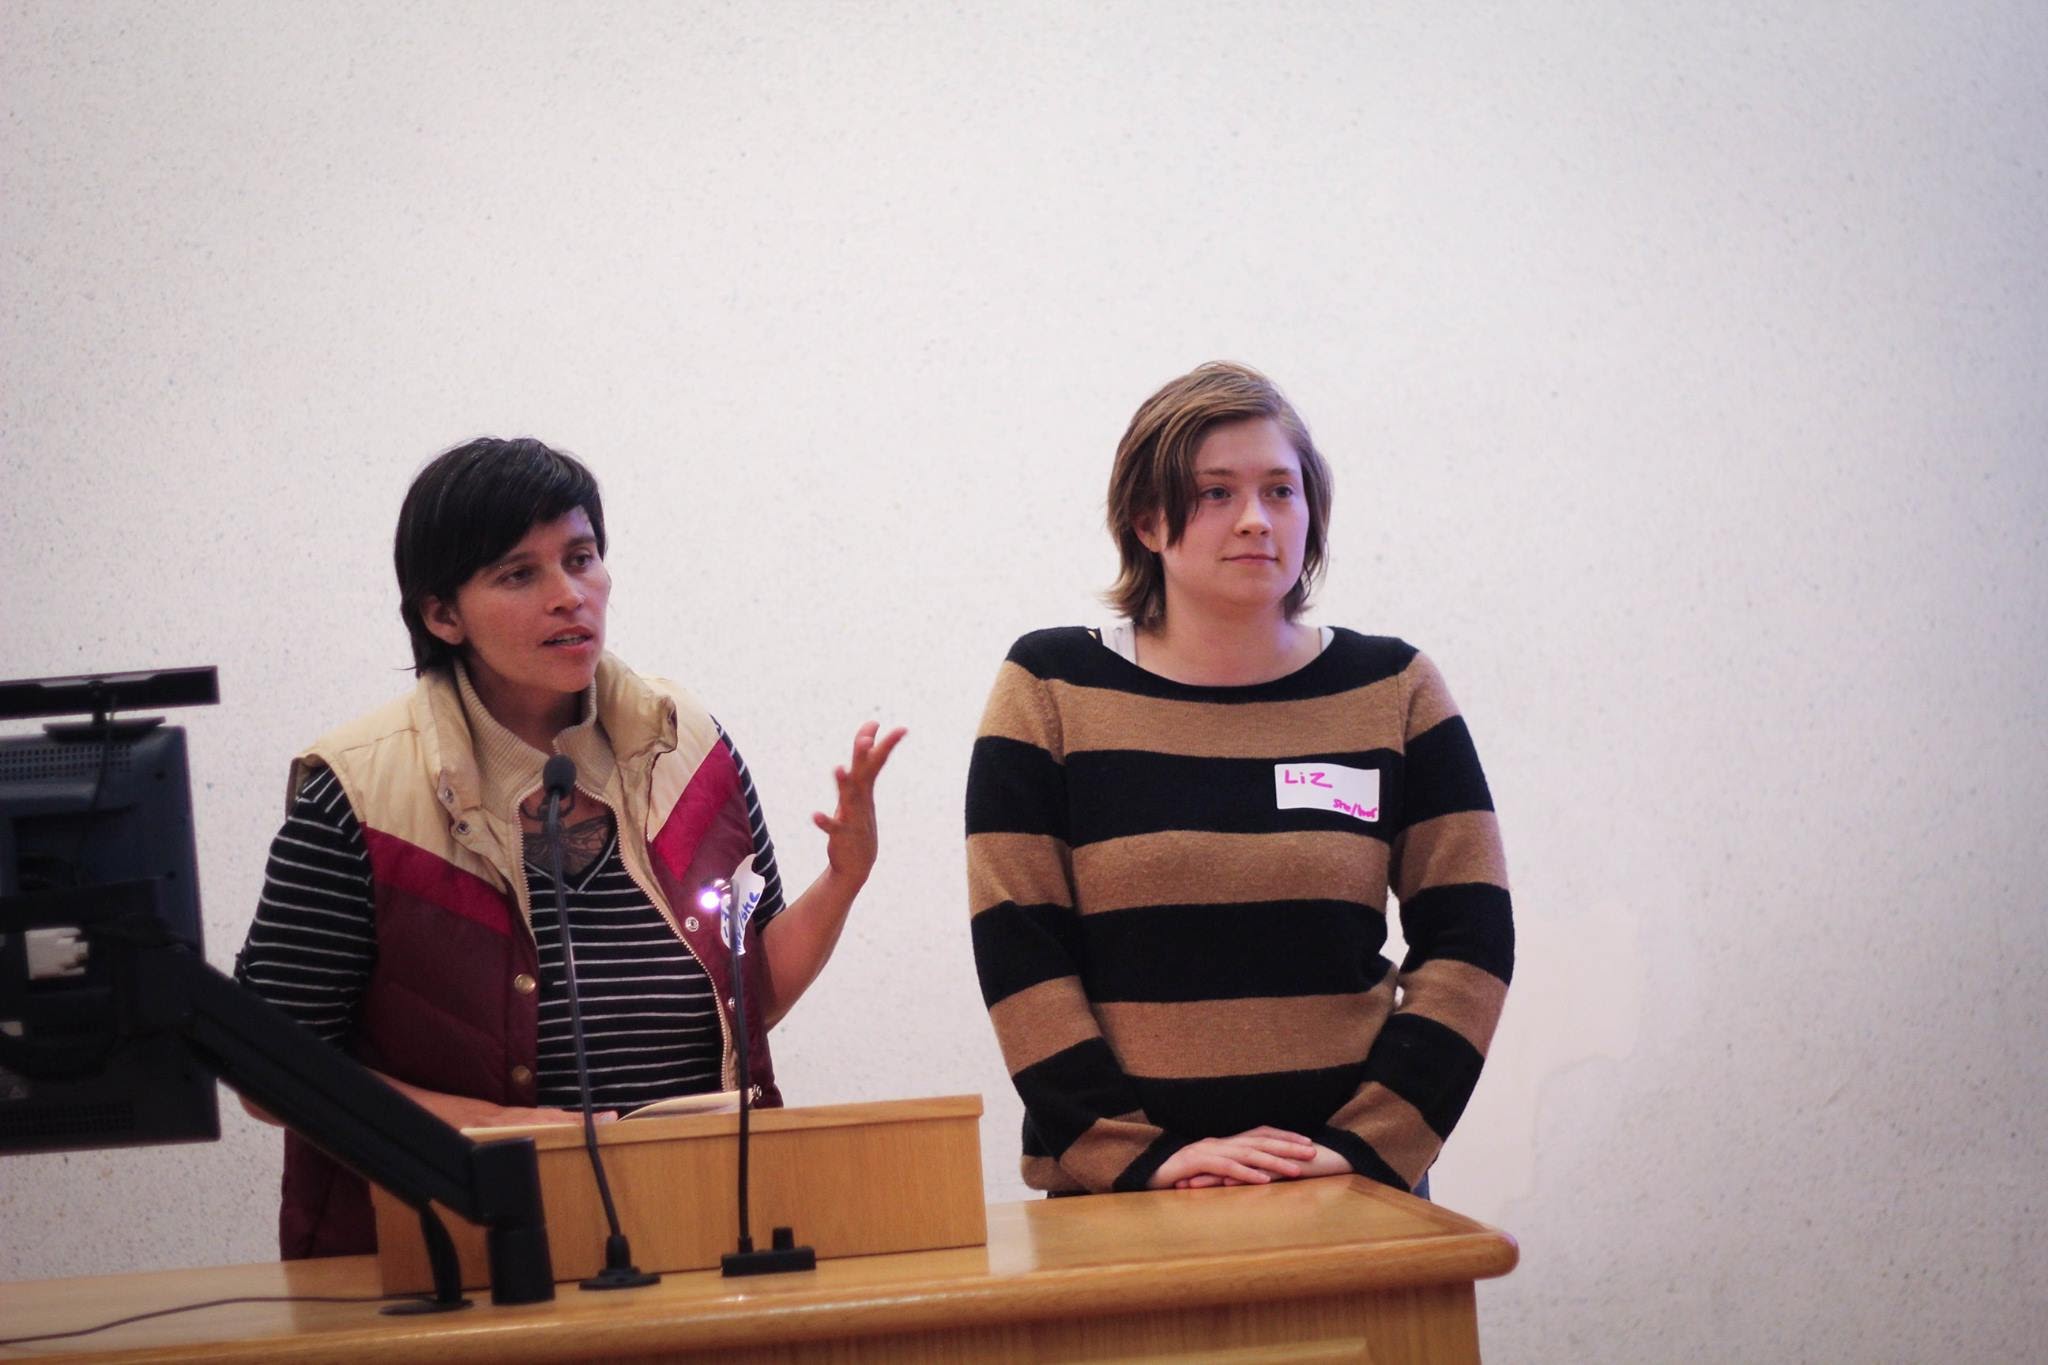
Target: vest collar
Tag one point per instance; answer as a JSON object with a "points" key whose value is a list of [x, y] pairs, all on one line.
{"points": [[639, 721], [477, 764]]}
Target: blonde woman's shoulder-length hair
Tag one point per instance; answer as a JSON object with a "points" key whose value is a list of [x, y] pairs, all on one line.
{"points": [[1154, 473]]}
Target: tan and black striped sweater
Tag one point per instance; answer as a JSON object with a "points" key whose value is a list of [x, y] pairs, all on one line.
{"points": [[1180, 898]]}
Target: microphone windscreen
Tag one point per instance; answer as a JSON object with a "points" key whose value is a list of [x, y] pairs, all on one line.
{"points": [[559, 775]]}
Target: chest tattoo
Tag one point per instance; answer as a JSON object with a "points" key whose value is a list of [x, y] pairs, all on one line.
{"points": [[586, 827]]}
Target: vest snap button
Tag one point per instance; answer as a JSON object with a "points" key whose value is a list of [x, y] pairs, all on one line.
{"points": [[523, 983], [690, 924], [521, 1075]]}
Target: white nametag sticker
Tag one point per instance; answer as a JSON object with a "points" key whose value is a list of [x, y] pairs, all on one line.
{"points": [[747, 886], [1328, 786]]}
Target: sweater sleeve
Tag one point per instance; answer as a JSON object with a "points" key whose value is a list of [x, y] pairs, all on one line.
{"points": [[1448, 872], [1084, 1128]]}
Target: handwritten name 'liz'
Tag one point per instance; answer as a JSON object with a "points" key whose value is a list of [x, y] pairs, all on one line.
{"points": [[1316, 784], [1317, 777]]}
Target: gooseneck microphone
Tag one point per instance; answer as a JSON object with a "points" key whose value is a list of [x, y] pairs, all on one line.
{"points": [[557, 779], [734, 912]]}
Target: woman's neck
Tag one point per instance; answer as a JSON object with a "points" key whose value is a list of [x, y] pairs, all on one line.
{"points": [[1224, 651]]}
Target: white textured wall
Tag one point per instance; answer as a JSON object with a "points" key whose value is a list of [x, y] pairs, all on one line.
{"points": [[1682, 367]]}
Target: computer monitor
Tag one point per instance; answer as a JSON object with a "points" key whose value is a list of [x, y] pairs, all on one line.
{"points": [[95, 826], [113, 1026]]}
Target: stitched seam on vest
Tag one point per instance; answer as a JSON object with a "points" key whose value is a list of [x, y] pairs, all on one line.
{"points": [[714, 783], [406, 867]]}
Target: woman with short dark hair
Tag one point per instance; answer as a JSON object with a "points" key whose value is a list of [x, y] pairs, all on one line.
{"points": [[397, 917], [1182, 833]]}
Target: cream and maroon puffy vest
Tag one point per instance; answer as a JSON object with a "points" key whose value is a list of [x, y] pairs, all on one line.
{"points": [[450, 1003]]}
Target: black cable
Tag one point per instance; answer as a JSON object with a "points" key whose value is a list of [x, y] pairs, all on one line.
{"points": [[194, 1307], [68, 873]]}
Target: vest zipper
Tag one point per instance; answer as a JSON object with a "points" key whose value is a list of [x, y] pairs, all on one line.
{"points": [[668, 914], [661, 906]]}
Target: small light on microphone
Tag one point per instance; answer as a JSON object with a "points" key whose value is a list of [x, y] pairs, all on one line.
{"points": [[708, 900]]}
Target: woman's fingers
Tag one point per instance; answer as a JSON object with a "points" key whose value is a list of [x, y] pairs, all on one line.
{"points": [[1257, 1156], [1269, 1154], [856, 781], [1242, 1159], [1265, 1150], [1277, 1163], [1216, 1165], [850, 834], [887, 745], [863, 743], [869, 753], [1280, 1141]]}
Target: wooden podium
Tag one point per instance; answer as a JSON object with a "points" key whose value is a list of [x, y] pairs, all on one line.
{"points": [[1313, 1270], [851, 1179], [1334, 1269]]}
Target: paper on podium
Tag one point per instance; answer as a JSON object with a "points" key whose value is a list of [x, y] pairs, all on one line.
{"points": [[711, 1102]]}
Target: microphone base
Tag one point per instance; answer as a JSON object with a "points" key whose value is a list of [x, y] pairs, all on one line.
{"points": [[625, 1277], [406, 1308], [784, 1256], [619, 1271]]}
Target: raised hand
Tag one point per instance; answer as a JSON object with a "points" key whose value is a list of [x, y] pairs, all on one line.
{"points": [[851, 840]]}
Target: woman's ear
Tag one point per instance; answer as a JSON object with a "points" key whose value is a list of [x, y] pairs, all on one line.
{"points": [[1151, 531], [442, 620]]}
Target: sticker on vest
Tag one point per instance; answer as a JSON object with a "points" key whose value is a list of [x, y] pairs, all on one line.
{"points": [[1328, 786], [747, 886]]}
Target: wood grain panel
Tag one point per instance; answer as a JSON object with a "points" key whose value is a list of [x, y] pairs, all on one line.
{"points": [[1335, 1269], [851, 1179]]}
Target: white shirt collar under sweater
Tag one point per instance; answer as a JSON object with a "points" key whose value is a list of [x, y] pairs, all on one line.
{"points": [[1122, 637]]}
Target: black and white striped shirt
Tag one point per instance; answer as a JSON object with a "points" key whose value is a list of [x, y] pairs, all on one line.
{"points": [[649, 1017]]}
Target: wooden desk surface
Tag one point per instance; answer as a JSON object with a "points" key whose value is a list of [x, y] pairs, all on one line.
{"points": [[1166, 1252]]}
